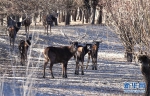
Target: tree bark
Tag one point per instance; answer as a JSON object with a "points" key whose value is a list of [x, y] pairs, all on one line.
{"points": [[99, 20], [93, 15], [83, 16], [67, 18], [87, 16], [74, 16]]}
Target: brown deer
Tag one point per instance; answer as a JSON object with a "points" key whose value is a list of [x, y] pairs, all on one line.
{"points": [[93, 53], [59, 55], [23, 49], [145, 69], [13, 27], [27, 23], [48, 21], [79, 56]]}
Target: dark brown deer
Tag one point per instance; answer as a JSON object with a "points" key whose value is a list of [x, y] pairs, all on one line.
{"points": [[145, 69], [27, 23], [13, 27], [79, 56], [48, 21], [59, 55], [23, 49], [93, 54]]}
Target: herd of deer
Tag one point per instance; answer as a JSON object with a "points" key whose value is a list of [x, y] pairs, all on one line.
{"points": [[60, 54], [64, 53]]}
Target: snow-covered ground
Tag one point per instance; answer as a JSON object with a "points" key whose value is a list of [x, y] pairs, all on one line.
{"points": [[108, 80]]}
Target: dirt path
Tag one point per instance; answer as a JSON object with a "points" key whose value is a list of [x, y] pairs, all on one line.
{"points": [[27, 80]]}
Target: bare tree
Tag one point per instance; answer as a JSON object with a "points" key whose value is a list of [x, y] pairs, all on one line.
{"points": [[131, 20], [94, 3]]}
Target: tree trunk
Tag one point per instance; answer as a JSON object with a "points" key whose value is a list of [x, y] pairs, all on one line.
{"points": [[62, 16], [1, 19], [79, 14], [99, 20], [129, 49], [83, 16], [74, 15], [56, 22], [87, 16], [59, 16], [67, 18], [35, 17], [93, 15], [129, 54]]}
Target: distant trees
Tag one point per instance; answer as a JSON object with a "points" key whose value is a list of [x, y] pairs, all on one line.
{"points": [[83, 10]]}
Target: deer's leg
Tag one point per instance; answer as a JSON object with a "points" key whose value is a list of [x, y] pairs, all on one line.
{"points": [[82, 68], [63, 70], [93, 63], [26, 32], [13, 42], [10, 41], [21, 59], [45, 26], [51, 65], [77, 68], [65, 66], [50, 28], [45, 64], [25, 54], [88, 60], [47, 29], [28, 29]]}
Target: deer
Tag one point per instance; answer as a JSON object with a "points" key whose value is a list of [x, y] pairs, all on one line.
{"points": [[79, 56], [23, 49], [144, 61], [27, 23], [13, 27], [48, 21], [60, 54], [93, 53]]}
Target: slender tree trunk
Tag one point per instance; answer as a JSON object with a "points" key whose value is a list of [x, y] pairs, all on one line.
{"points": [[63, 16], [129, 50], [67, 18], [80, 15], [87, 16], [74, 15], [93, 15], [35, 16], [56, 20], [83, 15], [129, 53], [1, 19], [99, 20], [59, 16]]}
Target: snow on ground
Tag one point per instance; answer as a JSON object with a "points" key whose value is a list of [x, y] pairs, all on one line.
{"points": [[108, 80]]}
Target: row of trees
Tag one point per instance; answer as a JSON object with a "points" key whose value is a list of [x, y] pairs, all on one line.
{"points": [[129, 18], [77, 9]]}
